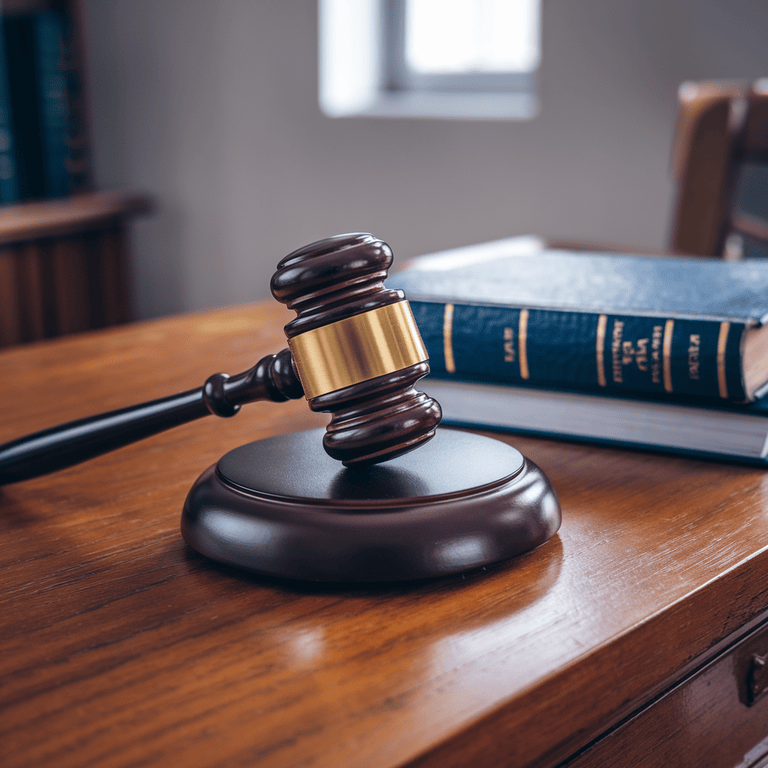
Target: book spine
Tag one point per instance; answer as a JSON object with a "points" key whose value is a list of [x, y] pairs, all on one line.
{"points": [[19, 40], [9, 183], [79, 158], [54, 123], [584, 350]]}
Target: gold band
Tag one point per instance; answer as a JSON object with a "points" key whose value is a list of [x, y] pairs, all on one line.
{"points": [[522, 343], [722, 345], [356, 349], [669, 329], [602, 325], [450, 363]]}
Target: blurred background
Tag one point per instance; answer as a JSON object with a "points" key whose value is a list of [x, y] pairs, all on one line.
{"points": [[211, 107]]}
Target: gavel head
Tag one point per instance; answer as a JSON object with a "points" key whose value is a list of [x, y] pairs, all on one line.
{"points": [[356, 348]]}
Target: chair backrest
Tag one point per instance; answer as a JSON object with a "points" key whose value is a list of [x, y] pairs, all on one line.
{"points": [[720, 166]]}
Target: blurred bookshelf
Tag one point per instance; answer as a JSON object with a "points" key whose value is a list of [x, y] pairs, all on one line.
{"points": [[64, 245]]}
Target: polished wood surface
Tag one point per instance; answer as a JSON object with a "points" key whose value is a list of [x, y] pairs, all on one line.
{"points": [[120, 646]]}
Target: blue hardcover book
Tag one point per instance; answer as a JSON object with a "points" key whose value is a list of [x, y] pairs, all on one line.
{"points": [[35, 46], [9, 184], [78, 160], [50, 50], [513, 312], [19, 40]]}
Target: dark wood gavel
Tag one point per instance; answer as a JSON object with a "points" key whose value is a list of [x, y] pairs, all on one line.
{"points": [[353, 350]]}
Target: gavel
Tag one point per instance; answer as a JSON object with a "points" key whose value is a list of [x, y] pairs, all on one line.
{"points": [[354, 351], [277, 506]]}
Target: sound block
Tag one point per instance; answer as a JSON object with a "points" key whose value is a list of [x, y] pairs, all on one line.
{"points": [[282, 507]]}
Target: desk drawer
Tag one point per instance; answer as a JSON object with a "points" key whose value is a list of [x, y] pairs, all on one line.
{"points": [[717, 717]]}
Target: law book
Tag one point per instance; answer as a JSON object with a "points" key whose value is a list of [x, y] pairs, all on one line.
{"points": [[50, 51], [9, 184], [706, 428], [21, 68], [514, 312], [35, 70], [79, 157]]}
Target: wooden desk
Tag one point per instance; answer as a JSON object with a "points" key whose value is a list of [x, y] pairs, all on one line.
{"points": [[122, 647]]}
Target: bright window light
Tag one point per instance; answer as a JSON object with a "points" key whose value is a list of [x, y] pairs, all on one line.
{"points": [[349, 51], [451, 36], [473, 59]]}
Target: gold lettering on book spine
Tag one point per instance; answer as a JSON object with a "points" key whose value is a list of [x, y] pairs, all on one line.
{"points": [[722, 344], [450, 363], [602, 325], [522, 343], [669, 328], [358, 348]]}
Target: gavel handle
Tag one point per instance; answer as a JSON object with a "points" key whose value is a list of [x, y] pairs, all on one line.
{"points": [[272, 378]]}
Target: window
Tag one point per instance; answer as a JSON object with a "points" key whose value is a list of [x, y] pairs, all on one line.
{"points": [[429, 58]]}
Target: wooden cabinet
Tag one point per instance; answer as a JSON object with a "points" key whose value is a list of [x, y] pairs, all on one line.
{"points": [[717, 717], [64, 260], [64, 265]]}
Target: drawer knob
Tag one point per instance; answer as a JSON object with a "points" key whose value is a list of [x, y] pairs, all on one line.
{"points": [[757, 680]]}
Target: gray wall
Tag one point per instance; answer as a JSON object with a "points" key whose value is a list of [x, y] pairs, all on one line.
{"points": [[211, 106]]}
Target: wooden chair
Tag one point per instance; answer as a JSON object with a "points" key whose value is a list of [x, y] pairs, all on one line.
{"points": [[720, 166]]}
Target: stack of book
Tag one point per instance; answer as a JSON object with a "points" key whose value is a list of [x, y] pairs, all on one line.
{"points": [[41, 128], [667, 353]]}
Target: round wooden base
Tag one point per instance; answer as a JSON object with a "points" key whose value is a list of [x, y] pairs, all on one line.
{"points": [[281, 507]]}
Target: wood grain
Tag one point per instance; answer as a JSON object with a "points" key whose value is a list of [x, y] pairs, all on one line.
{"points": [[122, 647], [109, 281], [69, 266], [10, 315], [33, 296], [64, 265]]}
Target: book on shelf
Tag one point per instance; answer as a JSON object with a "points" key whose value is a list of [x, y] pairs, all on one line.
{"points": [[706, 428], [50, 49], [514, 312], [20, 67], [78, 142], [35, 66], [9, 183]]}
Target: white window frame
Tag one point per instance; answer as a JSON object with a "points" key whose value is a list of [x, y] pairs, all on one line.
{"points": [[372, 47]]}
